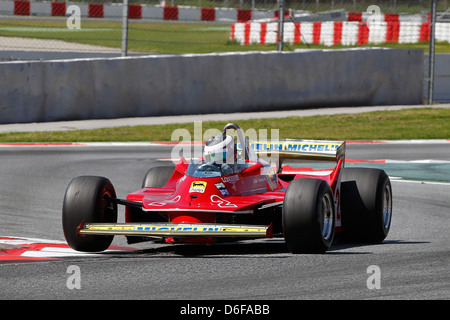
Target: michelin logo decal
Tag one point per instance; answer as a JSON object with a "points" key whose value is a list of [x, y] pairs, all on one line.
{"points": [[296, 146]]}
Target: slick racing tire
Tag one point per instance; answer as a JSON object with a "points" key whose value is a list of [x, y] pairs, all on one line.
{"points": [[86, 200], [308, 216], [157, 177], [366, 205]]}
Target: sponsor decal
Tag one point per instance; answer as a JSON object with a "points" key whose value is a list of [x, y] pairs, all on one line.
{"points": [[223, 190], [110, 228], [200, 228], [168, 228], [198, 186], [312, 147], [263, 146], [296, 146], [231, 179]]}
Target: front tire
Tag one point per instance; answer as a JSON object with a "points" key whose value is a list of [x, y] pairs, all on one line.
{"points": [[308, 216], [87, 200]]}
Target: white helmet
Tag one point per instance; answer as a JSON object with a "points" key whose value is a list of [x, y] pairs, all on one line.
{"points": [[220, 149]]}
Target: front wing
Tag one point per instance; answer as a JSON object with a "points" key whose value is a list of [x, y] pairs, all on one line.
{"points": [[176, 230]]}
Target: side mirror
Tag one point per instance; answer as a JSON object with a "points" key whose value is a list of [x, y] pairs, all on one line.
{"points": [[253, 170]]}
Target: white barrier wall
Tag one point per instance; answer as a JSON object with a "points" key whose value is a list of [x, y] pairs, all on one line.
{"points": [[209, 83]]}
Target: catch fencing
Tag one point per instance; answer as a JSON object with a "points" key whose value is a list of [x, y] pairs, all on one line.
{"points": [[203, 26], [61, 29]]}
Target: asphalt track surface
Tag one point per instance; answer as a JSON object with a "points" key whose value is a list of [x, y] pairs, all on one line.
{"points": [[413, 260]]}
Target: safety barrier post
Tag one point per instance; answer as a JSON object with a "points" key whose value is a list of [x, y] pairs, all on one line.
{"points": [[431, 54], [125, 28], [281, 25]]}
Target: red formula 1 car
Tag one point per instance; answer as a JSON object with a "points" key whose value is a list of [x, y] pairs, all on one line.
{"points": [[233, 193]]}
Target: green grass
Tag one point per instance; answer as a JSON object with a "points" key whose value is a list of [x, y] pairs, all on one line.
{"points": [[166, 37], [202, 38], [423, 123]]}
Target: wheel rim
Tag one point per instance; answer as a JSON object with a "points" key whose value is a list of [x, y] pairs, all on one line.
{"points": [[387, 206], [107, 204], [107, 207], [327, 217]]}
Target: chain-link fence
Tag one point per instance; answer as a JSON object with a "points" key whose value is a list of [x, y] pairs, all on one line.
{"points": [[35, 29]]}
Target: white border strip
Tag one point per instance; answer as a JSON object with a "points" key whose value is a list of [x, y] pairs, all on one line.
{"points": [[441, 183]]}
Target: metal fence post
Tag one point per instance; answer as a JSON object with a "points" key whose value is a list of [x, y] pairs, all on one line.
{"points": [[125, 28], [280, 25], [431, 53]]}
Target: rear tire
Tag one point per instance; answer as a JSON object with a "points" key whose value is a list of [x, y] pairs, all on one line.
{"points": [[157, 177], [366, 205], [86, 199], [308, 216]]}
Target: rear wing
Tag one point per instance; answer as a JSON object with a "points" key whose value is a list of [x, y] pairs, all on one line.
{"points": [[298, 150]]}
